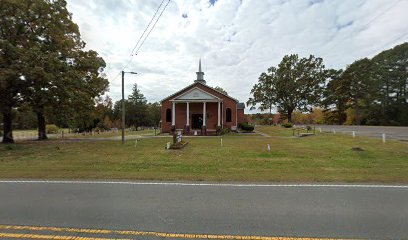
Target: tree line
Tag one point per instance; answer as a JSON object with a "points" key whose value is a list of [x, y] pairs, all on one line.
{"points": [[367, 92]]}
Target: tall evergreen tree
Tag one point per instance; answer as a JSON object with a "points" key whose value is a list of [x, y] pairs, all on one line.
{"points": [[336, 97], [390, 72]]}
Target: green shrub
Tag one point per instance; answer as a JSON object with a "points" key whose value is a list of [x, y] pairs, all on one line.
{"points": [[51, 129], [247, 127], [224, 131], [287, 125]]}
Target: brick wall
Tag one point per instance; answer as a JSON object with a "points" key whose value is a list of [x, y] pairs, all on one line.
{"points": [[212, 110]]}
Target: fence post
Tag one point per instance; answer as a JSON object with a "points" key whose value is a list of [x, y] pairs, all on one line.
{"points": [[383, 137], [354, 134]]}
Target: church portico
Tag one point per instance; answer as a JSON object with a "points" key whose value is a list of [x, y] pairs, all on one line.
{"points": [[200, 109], [193, 115]]}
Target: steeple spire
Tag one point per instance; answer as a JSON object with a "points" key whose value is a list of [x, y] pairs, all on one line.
{"points": [[200, 74]]}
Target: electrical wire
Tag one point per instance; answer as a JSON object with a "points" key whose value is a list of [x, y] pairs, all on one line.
{"points": [[148, 25], [134, 53], [137, 51]]}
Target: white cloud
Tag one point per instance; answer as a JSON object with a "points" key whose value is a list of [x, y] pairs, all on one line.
{"points": [[237, 40]]}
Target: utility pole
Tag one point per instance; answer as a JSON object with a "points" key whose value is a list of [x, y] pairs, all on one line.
{"points": [[123, 107], [123, 104]]}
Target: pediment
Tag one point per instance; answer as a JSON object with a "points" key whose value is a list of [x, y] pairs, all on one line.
{"points": [[196, 94]]}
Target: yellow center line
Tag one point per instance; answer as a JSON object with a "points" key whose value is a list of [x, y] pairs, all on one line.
{"points": [[143, 233], [55, 237]]}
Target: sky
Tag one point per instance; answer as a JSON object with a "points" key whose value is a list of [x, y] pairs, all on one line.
{"points": [[237, 40]]}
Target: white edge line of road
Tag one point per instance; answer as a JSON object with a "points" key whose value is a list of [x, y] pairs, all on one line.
{"points": [[203, 184]]}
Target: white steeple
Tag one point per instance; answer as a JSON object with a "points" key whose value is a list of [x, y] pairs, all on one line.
{"points": [[200, 74]]}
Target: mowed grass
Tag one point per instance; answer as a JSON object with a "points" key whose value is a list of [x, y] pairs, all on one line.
{"points": [[275, 130], [321, 158], [283, 132], [33, 133], [145, 132]]}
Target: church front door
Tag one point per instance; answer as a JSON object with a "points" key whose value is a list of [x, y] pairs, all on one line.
{"points": [[197, 121]]}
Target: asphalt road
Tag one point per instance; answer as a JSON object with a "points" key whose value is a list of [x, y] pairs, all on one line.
{"points": [[396, 133], [244, 210]]}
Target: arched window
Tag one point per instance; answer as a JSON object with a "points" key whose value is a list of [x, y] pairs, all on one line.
{"points": [[168, 115], [228, 117]]}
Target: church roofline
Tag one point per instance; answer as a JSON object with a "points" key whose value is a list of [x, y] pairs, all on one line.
{"points": [[205, 85], [192, 89]]}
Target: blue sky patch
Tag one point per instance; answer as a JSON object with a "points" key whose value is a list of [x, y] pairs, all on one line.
{"points": [[212, 2], [313, 2], [345, 25]]}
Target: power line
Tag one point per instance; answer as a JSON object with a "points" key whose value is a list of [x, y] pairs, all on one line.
{"points": [[389, 42], [368, 23], [148, 25], [141, 36], [137, 51], [381, 13]]}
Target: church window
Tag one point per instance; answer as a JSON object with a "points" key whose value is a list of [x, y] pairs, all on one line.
{"points": [[228, 117], [168, 115]]}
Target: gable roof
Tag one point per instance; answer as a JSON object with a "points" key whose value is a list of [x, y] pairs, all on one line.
{"points": [[199, 84], [196, 93]]}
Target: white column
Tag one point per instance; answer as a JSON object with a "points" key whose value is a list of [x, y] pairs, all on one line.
{"points": [[236, 115], [188, 114], [219, 113], [204, 114], [222, 116], [173, 115]]}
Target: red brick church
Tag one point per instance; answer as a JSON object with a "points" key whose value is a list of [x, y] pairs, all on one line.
{"points": [[200, 109]]}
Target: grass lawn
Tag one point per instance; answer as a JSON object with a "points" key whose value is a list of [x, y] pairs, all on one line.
{"points": [[281, 131], [324, 157], [33, 134], [25, 133], [145, 132], [275, 130]]}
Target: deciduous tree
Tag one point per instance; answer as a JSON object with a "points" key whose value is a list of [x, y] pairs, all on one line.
{"points": [[295, 85], [44, 64]]}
